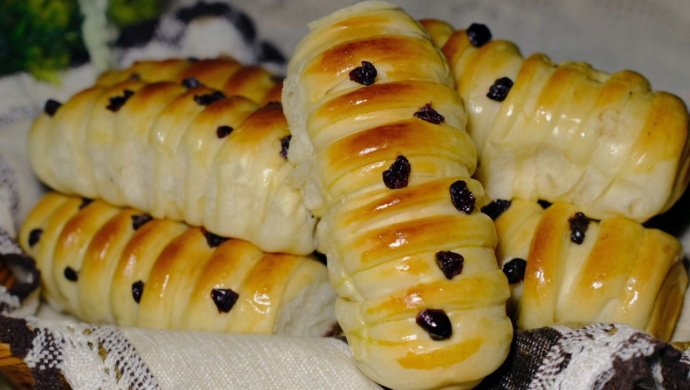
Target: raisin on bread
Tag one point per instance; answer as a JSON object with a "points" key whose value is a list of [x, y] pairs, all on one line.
{"points": [[567, 132], [177, 150], [106, 264], [565, 267], [382, 157]]}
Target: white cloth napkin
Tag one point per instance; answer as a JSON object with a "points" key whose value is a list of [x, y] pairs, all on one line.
{"points": [[110, 357]]}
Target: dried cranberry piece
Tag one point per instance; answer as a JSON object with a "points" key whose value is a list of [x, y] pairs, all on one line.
{"points": [[139, 220], [500, 88], [116, 102], [450, 263], [137, 290], [206, 99], [478, 34], [51, 106], [436, 323], [85, 202], [214, 240], [427, 113], [35, 236], [398, 174], [71, 274], [515, 270], [191, 82], [223, 131], [461, 196], [578, 227], [224, 298], [285, 146], [496, 208], [365, 74], [545, 204]]}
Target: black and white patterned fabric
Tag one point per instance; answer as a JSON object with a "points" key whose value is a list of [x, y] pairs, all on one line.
{"points": [[597, 356], [65, 354], [57, 354], [181, 30]]}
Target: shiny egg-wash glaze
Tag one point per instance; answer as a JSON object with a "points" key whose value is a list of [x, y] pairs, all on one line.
{"points": [[606, 143], [565, 268], [224, 74], [382, 158], [110, 265], [179, 150]]}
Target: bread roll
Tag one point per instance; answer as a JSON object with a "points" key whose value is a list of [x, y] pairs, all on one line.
{"points": [[566, 267], [110, 265], [606, 143], [383, 159], [177, 150], [224, 74]]}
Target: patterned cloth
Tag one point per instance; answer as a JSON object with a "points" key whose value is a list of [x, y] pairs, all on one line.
{"points": [[63, 354], [46, 350], [598, 356], [83, 356]]}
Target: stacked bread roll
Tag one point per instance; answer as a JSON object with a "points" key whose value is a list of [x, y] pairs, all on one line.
{"points": [[106, 264], [607, 150], [151, 150], [606, 143], [565, 268], [180, 150], [383, 158]]}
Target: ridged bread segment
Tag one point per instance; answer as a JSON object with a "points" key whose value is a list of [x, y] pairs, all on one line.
{"points": [[385, 162], [620, 271], [201, 142], [106, 264], [606, 142]]}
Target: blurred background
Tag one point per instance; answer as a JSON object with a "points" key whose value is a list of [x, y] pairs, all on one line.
{"points": [[649, 36]]}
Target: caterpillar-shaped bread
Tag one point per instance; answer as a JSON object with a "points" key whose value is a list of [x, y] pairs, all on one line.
{"points": [[177, 150], [606, 143], [383, 159], [117, 265], [566, 267]]}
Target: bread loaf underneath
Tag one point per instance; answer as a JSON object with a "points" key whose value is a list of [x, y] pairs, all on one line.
{"points": [[178, 150], [566, 267], [607, 143], [116, 265]]}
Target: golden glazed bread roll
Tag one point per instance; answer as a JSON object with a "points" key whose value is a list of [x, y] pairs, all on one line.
{"points": [[605, 142], [110, 265], [383, 159], [177, 150], [565, 267], [224, 74]]}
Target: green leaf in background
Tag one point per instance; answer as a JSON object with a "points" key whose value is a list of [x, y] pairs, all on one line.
{"points": [[40, 36], [127, 12], [45, 36]]}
